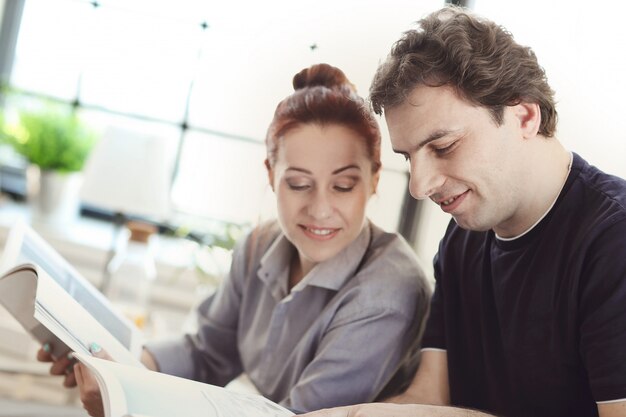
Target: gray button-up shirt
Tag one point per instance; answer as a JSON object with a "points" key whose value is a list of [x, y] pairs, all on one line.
{"points": [[335, 339]]}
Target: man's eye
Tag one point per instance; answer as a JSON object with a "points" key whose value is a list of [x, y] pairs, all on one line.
{"points": [[444, 150]]}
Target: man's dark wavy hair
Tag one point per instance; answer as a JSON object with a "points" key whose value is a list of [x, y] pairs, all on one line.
{"points": [[476, 57]]}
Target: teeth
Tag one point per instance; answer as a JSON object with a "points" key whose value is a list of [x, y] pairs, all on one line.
{"points": [[445, 203], [321, 232]]}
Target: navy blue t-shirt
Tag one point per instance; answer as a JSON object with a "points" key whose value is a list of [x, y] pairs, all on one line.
{"points": [[536, 326]]}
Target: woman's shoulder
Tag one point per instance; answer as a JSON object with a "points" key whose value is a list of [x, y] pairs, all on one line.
{"points": [[260, 238], [249, 249], [262, 235], [391, 248], [268, 230], [390, 280], [392, 264]]}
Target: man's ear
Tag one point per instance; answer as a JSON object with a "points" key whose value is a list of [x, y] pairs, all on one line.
{"points": [[529, 117], [270, 174]]}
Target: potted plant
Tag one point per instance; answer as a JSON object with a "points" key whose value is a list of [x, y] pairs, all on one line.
{"points": [[58, 143]]}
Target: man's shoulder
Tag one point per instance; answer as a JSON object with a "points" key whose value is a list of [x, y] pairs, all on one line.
{"points": [[596, 189]]}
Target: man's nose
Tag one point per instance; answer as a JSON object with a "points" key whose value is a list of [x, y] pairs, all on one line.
{"points": [[426, 177]]}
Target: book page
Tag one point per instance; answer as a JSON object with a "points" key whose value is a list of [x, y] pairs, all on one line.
{"points": [[17, 294], [24, 245], [14, 339], [70, 322], [158, 395], [18, 291]]}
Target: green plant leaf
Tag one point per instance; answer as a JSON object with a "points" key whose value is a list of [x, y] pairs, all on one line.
{"points": [[52, 138]]}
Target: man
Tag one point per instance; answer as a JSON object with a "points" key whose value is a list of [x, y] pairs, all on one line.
{"points": [[528, 317]]}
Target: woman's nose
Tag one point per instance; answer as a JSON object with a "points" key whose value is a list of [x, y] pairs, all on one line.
{"points": [[320, 206]]}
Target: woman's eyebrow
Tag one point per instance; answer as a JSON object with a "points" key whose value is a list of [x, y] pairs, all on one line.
{"points": [[351, 166], [335, 172], [306, 171]]}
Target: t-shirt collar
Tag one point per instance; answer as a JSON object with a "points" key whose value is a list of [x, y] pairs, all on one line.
{"points": [[577, 165]]}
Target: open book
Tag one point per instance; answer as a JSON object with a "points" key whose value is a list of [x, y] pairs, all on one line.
{"points": [[130, 391], [52, 316], [53, 302]]}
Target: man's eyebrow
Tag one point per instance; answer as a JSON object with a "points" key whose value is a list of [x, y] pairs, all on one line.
{"points": [[437, 134]]}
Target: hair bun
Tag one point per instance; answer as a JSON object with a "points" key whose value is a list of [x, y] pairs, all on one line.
{"points": [[322, 75]]}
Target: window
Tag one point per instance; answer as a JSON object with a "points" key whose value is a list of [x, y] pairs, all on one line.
{"points": [[207, 76]]}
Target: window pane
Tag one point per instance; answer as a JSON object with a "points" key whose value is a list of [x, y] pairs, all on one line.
{"points": [[221, 178], [50, 51], [190, 11], [250, 58], [140, 64], [145, 58]]}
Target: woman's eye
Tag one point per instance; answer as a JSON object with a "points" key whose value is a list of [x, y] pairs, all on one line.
{"points": [[347, 185], [344, 188], [298, 187]]}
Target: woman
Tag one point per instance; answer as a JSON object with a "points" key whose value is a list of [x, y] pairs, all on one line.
{"points": [[321, 306]]}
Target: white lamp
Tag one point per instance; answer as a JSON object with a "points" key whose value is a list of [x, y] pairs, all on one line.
{"points": [[129, 174]]}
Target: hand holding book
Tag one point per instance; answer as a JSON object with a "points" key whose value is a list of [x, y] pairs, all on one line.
{"points": [[56, 304], [111, 389], [90, 394], [63, 365], [65, 313]]}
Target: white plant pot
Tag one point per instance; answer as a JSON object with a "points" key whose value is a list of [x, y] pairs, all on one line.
{"points": [[57, 202]]}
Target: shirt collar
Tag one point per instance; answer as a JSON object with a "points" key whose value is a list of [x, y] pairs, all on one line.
{"points": [[274, 266], [331, 274]]}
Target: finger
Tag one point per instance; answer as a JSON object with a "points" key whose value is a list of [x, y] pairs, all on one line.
{"points": [[87, 382], [98, 352], [43, 354], [60, 365], [70, 376], [78, 375], [89, 391], [82, 381]]}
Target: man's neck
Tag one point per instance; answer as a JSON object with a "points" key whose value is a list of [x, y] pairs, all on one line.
{"points": [[545, 177]]}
